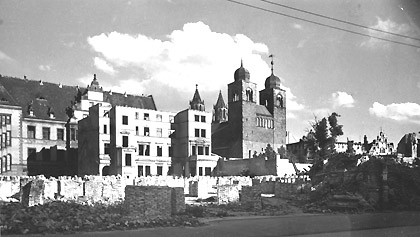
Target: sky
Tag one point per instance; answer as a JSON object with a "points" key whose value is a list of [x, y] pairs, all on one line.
{"points": [[164, 48]]}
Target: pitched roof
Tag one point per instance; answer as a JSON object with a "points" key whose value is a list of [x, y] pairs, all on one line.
{"points": [[262, 110], [220, 103], [43, 97]]}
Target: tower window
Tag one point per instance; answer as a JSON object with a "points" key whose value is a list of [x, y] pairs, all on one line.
{"points": [[249, 95]]}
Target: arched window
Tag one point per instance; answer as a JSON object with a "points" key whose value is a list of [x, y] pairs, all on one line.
{"points": [[280, 101], [249, 95]]}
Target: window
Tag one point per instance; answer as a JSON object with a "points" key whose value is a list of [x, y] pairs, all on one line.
{"points": [[159, 150], [194, 150], [137, 130], [9, 162], [144, 150], [197, 118], [147, 170], [9, 138], [200, 150], [3, 120], [146, 131], [207, 150], [105, 129], [7, 119], [207, 171], [73, 134], [60, 134], [125, 120], [3, 140], [171, 118], [159, 117], [46, 133], [125, 141], [203, 119], [200, 171], [127, 159], [106, 148], [159, 132], [146, 117], [170, 151], [159, 170], [140, 170], [197, 132], [31, 132], [203, 132], [137, 115]]}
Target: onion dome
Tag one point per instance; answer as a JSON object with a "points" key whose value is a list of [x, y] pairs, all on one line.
{"points": [[241, 74], [272, 81]]}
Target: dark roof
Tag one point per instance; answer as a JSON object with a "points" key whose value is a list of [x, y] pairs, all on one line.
{"points": [[220, 103], [262, 110], [241, 73], [44, 97]]}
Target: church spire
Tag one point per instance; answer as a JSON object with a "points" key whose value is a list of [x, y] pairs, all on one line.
{"points": [[220, 113], [197, 103]]}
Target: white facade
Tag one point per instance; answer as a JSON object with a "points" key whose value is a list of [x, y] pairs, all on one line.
{"points": [[381, 146]]}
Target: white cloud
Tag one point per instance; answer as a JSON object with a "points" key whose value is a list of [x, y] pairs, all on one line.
{"points": [[44, 68], [385, 25], [5, 57], [342, 99], [104, 66], [193, 55], [291, 102], [409, 112]]}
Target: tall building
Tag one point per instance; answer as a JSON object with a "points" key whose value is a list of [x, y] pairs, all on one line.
{"points": [[192, 140], [249, 125]]}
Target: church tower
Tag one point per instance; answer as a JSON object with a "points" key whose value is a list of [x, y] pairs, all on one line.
{"points": [[274, 99], [197, 103], [220, 113], [242, 97]]}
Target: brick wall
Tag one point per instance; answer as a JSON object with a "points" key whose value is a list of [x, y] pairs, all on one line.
{"points": [[148, 201]]}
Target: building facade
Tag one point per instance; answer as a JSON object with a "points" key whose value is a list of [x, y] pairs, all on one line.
{"points": [[192, 140], [250, 122]]}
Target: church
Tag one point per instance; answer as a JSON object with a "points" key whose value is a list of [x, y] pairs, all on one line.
{"points": [[245, 126]]}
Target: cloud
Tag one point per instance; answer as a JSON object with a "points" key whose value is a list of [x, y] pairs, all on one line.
{"points": [[291, 101], [104, 66], [46, 68], [408, 112], [385, 25], [5, 57], [342, 99], [193, 55]]}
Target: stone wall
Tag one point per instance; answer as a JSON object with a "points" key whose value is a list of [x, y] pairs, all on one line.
{"points": [[148, 201]]}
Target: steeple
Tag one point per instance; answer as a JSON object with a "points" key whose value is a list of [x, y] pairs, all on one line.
{"points": [[272, 81], [241, 73], [220, 113], [197, 103], [94, 85]]}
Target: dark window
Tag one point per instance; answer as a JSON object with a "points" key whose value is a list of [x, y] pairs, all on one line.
{"points": [[203, 132], [147, 151], [127, 159], [146, 131], [60, 134], [3, 120], [125, 141], [159, 150], [194, 150], [137, 115], [200, 150], [106, 148], [105, 129], [140, 170], [31, 131], [159, 170], [46, 133], [203, 119], [200, 171], [73, 134], [137, 130], [207, 171], [170, 151], [125, 120], [141, 150], [197, 118], [147, 170], [197, 132], [146, 117], [207, 150]]}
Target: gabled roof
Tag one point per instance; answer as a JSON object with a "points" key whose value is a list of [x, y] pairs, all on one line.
{"points": [[262, 110], [144, 102]]}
